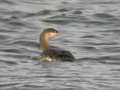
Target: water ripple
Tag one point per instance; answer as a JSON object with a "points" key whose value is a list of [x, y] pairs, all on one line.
{"points": [[7, 2], [91, 33], [8, 62], [103, 15]]}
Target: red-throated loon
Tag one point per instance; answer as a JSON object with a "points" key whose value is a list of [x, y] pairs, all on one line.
{"points": [[49, 53]]}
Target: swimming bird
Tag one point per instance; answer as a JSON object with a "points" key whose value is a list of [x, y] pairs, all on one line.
{"points": [[50, 53]]}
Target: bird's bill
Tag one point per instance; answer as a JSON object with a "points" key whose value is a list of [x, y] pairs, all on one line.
{"points": [[59, 33]]}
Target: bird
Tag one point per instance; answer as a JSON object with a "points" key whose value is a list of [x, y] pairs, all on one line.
{"points": [[49, 52]]}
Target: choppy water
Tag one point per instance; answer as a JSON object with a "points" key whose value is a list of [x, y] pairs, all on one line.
{"points": [[92, 34]]}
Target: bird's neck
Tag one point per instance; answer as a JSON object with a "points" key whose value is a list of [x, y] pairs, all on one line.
{"points": [[44, 43]]}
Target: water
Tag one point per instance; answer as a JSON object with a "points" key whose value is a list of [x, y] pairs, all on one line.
{"points": [[91, 32]]}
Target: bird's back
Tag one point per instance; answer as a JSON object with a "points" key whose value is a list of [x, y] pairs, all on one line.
{"points": [[59, 55]]}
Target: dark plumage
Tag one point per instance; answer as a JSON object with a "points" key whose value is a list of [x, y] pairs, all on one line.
{"points": [[59, 55]]}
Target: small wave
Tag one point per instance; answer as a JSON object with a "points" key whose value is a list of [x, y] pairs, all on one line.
{"points": [[102, 43], [90, 36], [4, 37], [33, 86], [18, 57], [60, 19], [62, 10], [8, 85], [110, 62], [103, 15], [45, 12], [40, 13], [13, 20], [8, 62], [111, 30], [107, 17], [7, 19], [109, 59], [11, 50], [91, 48], [96, 22], [6, 30], [77, 12], [57, 21], [111, 49], [7, 2], [106, 2], [86, 58], [26, 43], [17, 23]]}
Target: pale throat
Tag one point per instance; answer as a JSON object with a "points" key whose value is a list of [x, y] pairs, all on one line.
{"points": [[44, 43]]}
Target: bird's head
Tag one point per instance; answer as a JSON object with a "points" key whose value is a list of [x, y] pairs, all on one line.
{"points": [[51, 33]]}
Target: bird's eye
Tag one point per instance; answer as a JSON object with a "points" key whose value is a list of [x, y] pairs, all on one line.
{"points": [[56, 31]]}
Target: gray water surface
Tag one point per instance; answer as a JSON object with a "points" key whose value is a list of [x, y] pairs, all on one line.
{"points": [[91, 32]]}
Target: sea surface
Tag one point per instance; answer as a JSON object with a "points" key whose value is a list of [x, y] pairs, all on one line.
{"points": [[91, 33]]}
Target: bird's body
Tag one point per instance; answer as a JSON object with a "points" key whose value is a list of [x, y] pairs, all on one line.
{"points": [[58, 55], [49, 53]]}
